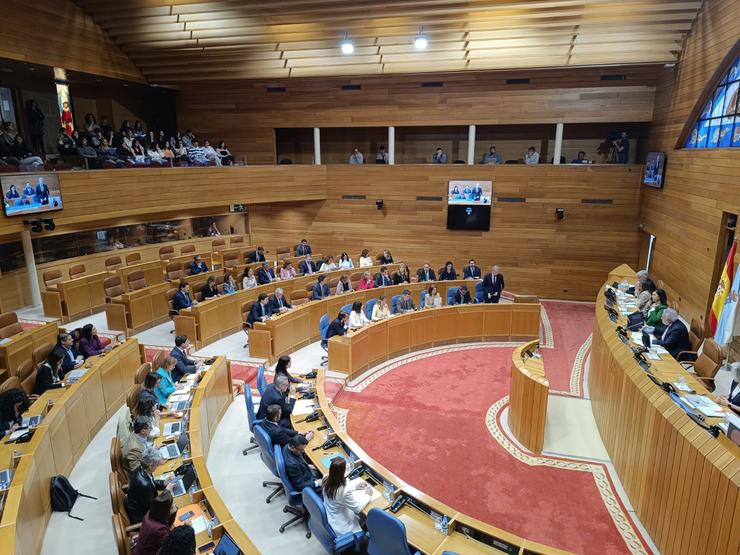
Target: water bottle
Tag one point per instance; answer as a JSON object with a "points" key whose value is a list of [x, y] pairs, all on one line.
{"points": [[191, 492], [445, 525], [388, 490]]}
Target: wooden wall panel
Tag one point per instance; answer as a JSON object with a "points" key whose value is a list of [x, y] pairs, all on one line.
{"points": [[700, 184], [58, 33]]}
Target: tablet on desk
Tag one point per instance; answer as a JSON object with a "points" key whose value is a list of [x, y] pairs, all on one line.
{"points": [[226, 546]]}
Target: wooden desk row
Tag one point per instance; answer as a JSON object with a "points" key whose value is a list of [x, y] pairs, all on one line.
{"points": [[77, 414], [682, 482], [528, 393], [18, 348], [362, 349]]}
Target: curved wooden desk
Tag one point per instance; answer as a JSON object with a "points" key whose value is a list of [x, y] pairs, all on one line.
{"points": [[528, 397], [377, 342], [77, 414], [682, 483]]}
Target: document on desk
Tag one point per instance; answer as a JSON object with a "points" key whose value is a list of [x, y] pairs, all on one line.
{"points": [[199, 524], [303, 407], [704, 405], [352, 484], [177, 397]]}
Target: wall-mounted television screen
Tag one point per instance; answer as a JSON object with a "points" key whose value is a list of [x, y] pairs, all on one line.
{"points": [[30, 193], [469, 205], [654, 170]]}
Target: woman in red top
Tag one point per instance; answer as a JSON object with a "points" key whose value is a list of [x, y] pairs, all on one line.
{"points": [[366, 282], [156, 525]]}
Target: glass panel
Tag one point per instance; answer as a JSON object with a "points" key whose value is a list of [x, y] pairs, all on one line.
{"points": [[11, 256], [701, 139], [736, 133], [718, 102], [713, 139], [734, 73], [731, 99], [725, 132], [707, 111], [691, 141]]}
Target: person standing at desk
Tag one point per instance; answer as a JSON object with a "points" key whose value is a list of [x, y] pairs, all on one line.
{"points": [[426, 273], [406, 303], [303, 249], [283, 365], [279, 434], [49, 374], [357, 317], [321, 289], [13, 403], [277, 394], [182, 298], [198, 266], [184, 365], [278, 303], [66, 352], [209, 289], [471, 271], [307, 266], [338, 326], [296, 467], [256, 256], [383, 278], [493, 285], [265, 275]]}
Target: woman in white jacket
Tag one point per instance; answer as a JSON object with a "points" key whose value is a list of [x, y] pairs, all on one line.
{"points": [[342, 502], [357, 317]]}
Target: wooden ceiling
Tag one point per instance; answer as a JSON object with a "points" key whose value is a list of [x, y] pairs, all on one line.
{"points": [[180, 40]]}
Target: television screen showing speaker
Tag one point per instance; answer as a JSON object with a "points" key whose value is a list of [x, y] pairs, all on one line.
{"points": [[470, 192], [30, 193], [654, 170], [469, 205]]}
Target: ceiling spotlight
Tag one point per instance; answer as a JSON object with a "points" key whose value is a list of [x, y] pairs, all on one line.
{"points": [[347, 46], [421, 42]]}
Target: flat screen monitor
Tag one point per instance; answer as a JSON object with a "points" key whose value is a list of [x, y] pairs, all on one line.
{"points": [[469, 205], [654, 170], [30, 193], [226, 546]]}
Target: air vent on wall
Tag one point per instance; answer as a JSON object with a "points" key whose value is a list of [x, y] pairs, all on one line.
{"points": [[276, 89], [353, 197], [523, 81], [433, 199], [597, 201], [511, 199], [432, 84], [351, 87], [613, 77]]}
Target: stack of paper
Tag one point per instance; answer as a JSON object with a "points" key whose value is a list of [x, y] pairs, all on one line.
{"points": [[704, 405], [303, 406]]}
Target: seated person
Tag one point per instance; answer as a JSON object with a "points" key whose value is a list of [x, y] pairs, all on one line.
{"points": [[180, 541], [401, 275], [344, 285], [303, 249], [732, 399], [49, 375], [283, 366], [426, 273], [308, 266], [432, 298], [90, 343], [345, 262], [365, 259], [644, 297], [532, 156], [156, 526], [229, 283], [266, 274], [256, 256], [338, 326], [343, 504], [328, 264], [581, 159], [672, 335], [279, 434], [366, 282], [278, 303], [491, 157], [13, 403], [659, 302], [142, 487], [209, 290], [197, 156], [198, 266], [248, 279], [296, 467], [448, 273], [184, 365], [166, 385], [383, 279], [471, 271], [65, 350], [439, 156], [151, 381], [357, 317], [133, 449], [260, 311], [182, 298], [462, 296], [406, 303], [320, 290], [276, 393], [381, 310], [386, 258], [287, 271]]}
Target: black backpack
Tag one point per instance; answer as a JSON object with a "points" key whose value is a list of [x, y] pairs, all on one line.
{"points": [[63, 496]]}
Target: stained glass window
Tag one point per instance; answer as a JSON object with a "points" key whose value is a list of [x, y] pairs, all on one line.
{"points": [[718, 125]]}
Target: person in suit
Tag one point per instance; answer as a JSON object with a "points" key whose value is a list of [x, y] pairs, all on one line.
{"points": [[278, 303], [401, 275], [279, 434], [260, 311], [308, 266], [197, 266], [184, 364], [257, 256], [426, 273], [277, 394], [266, 274], [493, 284], [673, 335], [462, 296], [471, 271], [321, 289], [448, 273], [49, 374], [28, 191], [732, 399], [338, 326], [296, 467], [303, 249], [133, 449], [65, 350], [142, 487], [156, 526], [383, 279], [477, 192], [182, 298], [209, 289], [42, 191], [406, 303]]}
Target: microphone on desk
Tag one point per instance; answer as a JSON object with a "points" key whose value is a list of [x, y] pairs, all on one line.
{"points": [[328, 444]]}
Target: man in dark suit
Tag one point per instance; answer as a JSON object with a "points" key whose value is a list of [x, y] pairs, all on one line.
{"points": [[308, 266], [182, 298], [471, 271], [277, 394], [462, 296], [406, 303], [303, 249], [320, 290], [260, 311], [296, 467], [257, 256], [673, 335], [184, 364], [42, 191], [383, 279], [493, 284], [426, 273], [65, 349], [338, 325], [266, 274], [198, 266], [280, 435], [278, 303]]}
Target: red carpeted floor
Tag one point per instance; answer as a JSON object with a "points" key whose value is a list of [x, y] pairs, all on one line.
{"points": [[426, 421]]}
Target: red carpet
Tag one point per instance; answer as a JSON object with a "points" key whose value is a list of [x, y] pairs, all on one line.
{"points": [[426, 420]]}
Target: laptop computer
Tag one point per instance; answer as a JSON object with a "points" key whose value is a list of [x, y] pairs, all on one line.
{"points": [[5, 478], [170, 451], [646, 340], [226, 546], [182, 485], [173, 428], [178, 405]]}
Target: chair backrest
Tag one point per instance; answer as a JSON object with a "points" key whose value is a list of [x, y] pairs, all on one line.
{"points": [[231, 259], [132, 397], [41, 353], [299, 296], [246, 309], [369, 305], [113, 263], [174, 271], [267, 454], [252, 419], [119, 531], [318, 523], [218, 244], [26, 373], [236, 240], [133, 258], [423, 297], [77, 270], [9, 325], [165, 253], [394, 303], [52, 277], [136, 280], [709, 362], [10, 383], [141, 373], [294, 496], [346, 308], [261, 380], [116, 466], [695, 340], [697, 328], [112, 286], [480, 295], [158, 360], [387, 534], [185, 249], [451, 292], [282, 252], [324, 327]]}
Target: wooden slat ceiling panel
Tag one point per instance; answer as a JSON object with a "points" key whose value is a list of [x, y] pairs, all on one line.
{"points": [[177, 40]]}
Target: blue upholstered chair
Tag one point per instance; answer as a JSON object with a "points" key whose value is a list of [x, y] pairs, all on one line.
{"points": [[261, 380], [318, 523], [369, 305], [451, 292], [346, 308], [394, 303], [267, 454], [480, 296], [422, 298], [252, 419], [295, 497], [387, 534], [324, 323]]}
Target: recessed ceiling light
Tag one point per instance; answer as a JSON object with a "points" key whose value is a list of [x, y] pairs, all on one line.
{"points": [[421, 42], [347, 46]]}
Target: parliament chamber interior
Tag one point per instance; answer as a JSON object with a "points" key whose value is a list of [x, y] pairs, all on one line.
{"points": [[431, 277]]}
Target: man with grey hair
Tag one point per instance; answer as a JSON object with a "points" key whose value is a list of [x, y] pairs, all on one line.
{"points": [[277, 393], [142, 487], [648, 284], [278, 303], [493, 285], [672, 335]]}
